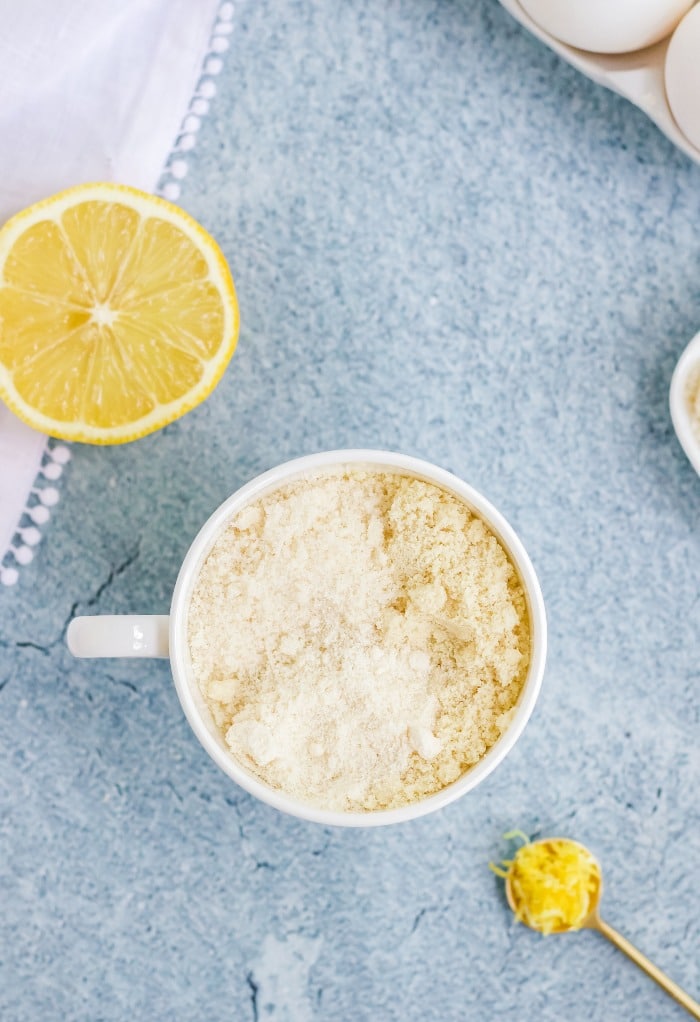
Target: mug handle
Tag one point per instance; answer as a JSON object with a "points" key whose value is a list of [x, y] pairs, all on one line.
{"points": [[119, 635]]}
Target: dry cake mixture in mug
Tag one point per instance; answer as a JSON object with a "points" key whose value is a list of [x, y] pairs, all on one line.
{"points": [[360, 637]]}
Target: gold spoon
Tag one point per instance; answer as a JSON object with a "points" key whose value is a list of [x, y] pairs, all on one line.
{"points": [[593, 922]]}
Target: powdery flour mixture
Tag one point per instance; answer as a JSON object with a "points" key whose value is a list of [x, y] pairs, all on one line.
{"points": [[360, 637]]}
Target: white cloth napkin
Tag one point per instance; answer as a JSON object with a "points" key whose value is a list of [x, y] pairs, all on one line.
{"points": [[91, 90]]}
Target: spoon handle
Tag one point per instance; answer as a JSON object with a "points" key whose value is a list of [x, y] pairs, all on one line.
{"points": [[651, 970]]}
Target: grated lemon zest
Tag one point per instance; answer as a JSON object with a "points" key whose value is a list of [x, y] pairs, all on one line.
{"points": [[520, 835], [553, 883]]}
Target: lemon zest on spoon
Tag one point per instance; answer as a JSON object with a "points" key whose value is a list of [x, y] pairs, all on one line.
{"points": [[554, 883]]}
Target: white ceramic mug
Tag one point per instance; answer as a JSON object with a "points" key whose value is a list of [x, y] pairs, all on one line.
{"points": [[166, 636]]}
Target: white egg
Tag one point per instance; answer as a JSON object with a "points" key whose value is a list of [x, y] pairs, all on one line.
{"points": [[682, 74], [607, 26]]}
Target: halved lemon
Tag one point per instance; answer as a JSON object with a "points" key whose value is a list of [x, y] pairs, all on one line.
{"points": [[118, 314]]}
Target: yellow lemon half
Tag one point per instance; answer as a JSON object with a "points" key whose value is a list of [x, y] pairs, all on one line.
{"points": [[118, 314]]}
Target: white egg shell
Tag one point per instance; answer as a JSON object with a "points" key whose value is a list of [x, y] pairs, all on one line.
{"points": [[682, 75], [607, 26]]}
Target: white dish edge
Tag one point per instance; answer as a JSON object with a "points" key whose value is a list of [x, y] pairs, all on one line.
{"points": [[680, 414]]}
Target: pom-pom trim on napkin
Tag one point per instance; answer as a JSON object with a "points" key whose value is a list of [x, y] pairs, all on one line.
{"points": [[37, 511], [43, 496], [177, 166]]}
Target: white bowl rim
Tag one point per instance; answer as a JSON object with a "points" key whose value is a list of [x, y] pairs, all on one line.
{"points": [[192, 704], [680, 415]]}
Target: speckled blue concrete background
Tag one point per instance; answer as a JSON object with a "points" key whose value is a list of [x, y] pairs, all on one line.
{"points": [[446, 242]]}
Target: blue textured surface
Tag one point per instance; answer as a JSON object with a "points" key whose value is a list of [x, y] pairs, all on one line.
{"points": [[446, 242]]}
